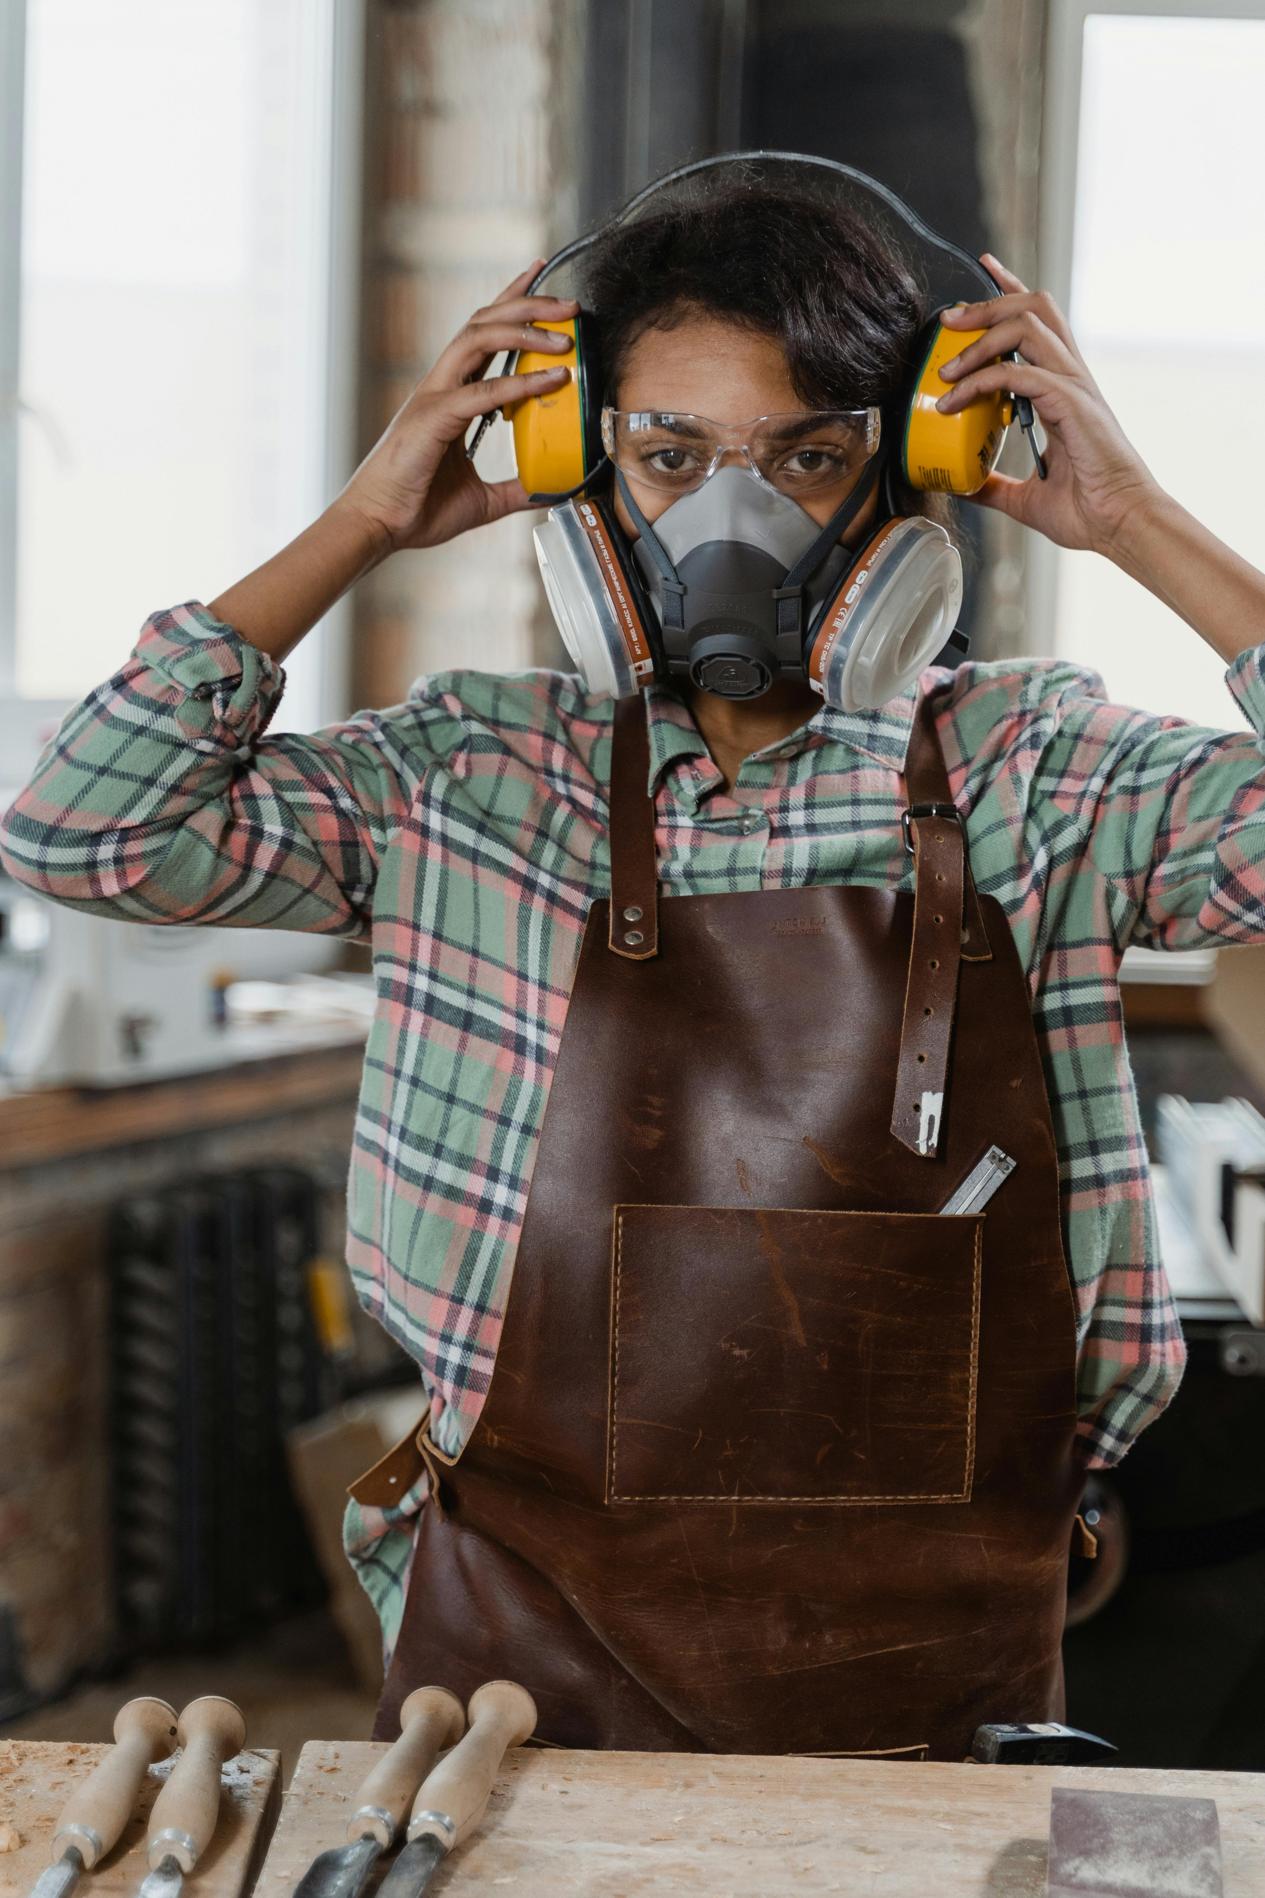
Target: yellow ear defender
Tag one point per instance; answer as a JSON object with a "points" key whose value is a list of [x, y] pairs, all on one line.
{"points": [[558, 436], [954, 453]]}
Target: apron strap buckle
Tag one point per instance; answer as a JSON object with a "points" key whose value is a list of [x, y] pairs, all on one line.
{"points": [[931, 809]]}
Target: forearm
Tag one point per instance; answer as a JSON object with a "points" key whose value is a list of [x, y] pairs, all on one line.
{"points": [[1180, 561], [161, 799], [276, 604]]}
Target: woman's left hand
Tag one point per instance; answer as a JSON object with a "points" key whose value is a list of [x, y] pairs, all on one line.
{"points": [[1095, 477]]}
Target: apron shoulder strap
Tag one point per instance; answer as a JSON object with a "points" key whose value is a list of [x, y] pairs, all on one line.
{"points": [[946, 927], [927, 782], [634, 917]]}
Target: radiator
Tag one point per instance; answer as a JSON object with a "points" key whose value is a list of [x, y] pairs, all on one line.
{"points": [[214, 1356]]}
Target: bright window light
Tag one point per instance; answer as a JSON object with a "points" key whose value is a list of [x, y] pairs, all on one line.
{"points": [[174, 312], [1167, 303]]}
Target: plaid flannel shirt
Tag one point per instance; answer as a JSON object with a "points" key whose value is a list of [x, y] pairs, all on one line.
{"points": [[462, 835]]}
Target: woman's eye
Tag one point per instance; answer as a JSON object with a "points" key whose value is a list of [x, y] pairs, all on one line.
{"points": [[814, 461], [668, 461]]}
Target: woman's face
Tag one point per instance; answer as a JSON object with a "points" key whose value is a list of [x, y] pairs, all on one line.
{"points": [[704, 366]]}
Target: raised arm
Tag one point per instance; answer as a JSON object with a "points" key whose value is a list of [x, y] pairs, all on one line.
{"points": [[161, 799]]}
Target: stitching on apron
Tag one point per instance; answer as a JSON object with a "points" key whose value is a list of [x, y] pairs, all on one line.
{"points": [[968, 1477], [952, 1496]]}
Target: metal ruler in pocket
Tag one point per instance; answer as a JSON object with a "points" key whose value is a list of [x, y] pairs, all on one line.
{"points": [[980, 1183]]}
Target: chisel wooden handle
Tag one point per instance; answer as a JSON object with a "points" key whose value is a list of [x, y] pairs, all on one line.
{"points": [[452, 1799], [210, 1730], [96, 1812], [430, 1719]]}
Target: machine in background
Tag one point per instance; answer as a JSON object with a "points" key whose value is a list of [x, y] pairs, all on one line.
{"points": [[89, 1001]]}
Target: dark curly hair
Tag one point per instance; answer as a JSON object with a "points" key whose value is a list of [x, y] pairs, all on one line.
{"points": [[801, 268]]}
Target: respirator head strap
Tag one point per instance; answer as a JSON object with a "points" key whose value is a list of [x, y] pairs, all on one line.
{"points": [[790, 595], [673, 587]]}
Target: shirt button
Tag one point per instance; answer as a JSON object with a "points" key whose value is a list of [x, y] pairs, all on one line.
{"points": [[751, 822]]}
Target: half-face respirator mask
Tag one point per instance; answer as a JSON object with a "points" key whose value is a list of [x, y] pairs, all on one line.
{"points": [[735, 583]]}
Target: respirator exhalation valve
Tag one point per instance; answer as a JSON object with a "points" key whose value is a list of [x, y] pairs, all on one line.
{"points": [[722, 661]]}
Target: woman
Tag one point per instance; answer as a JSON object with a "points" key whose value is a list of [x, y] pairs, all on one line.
{"points": [[741, 1486]]}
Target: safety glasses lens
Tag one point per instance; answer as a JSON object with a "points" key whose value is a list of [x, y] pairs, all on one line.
{"points": [[799, 453]]}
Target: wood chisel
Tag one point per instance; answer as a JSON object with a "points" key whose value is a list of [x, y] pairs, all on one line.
{"points": [[94, 1816], [430, 1719], [210, 1730], [1038, 1743], [453, 1798]]}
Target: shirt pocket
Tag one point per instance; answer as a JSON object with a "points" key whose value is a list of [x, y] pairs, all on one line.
{"points": [[774, 1355]]}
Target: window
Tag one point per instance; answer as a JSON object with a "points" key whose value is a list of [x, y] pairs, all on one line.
{"points": [[1153, 171], [178, 189]]}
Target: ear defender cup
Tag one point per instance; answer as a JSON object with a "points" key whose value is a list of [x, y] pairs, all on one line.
{"points": [[596, 596], [953, 453], [891, 612], [558, 436]]}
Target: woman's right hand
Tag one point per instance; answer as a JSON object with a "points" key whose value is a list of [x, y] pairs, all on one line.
{"points": [[417, 487]]}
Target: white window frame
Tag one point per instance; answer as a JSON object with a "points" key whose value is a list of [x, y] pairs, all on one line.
{"points": [[340, 25]]}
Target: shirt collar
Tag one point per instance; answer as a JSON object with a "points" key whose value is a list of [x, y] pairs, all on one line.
{"points": [[881, 733]]}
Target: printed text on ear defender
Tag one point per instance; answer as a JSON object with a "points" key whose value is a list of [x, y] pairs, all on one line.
{"points": [[634, 637]]}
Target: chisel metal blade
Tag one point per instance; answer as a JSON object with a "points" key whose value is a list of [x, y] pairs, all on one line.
{"points": [[164, 1881], [341, 1872], [414, 1868], [58, 1879]]}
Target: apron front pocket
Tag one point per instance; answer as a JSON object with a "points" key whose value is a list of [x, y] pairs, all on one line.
{"points": [[770, 1355]]}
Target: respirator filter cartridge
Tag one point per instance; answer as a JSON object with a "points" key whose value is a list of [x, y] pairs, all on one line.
{"points": [[897, 610]]}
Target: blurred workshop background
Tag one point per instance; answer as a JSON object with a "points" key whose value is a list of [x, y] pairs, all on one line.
{"points": [[233, 234]]}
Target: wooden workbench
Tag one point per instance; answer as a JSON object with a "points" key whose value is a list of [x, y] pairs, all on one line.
{"points": [[625, 1825], [59, 1124], [36, 1777]]}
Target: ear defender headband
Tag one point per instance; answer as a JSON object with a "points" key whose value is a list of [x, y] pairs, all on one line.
{"points": [[557, 437], [893, 605]]}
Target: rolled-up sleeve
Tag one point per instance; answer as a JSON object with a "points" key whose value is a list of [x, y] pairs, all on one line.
{"points": [[160, 799], [1176, 813]]}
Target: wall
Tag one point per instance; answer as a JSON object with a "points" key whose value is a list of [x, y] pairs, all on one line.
{"points": [[466, 182]]}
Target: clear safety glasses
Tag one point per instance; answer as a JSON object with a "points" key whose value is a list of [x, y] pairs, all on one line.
{"points": [[805, 452]]}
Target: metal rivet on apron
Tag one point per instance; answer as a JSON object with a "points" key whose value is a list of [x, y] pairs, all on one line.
{"points": [[632, 914], [634, 936]]}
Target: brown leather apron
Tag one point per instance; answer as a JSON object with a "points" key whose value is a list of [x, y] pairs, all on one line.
{"points": [[775, 1457]]}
